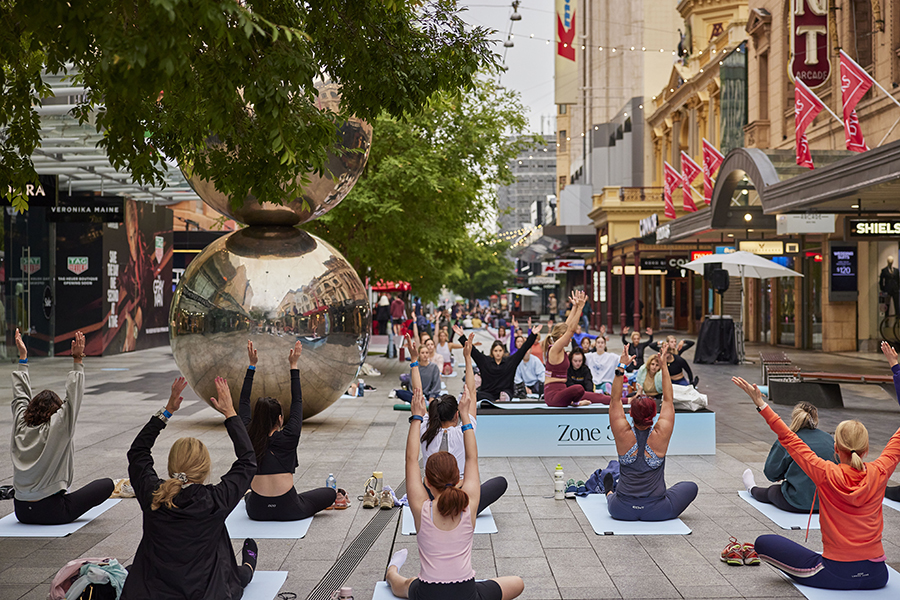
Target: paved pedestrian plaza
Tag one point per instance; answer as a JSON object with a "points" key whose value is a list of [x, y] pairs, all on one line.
{"points": [[548, 542]]}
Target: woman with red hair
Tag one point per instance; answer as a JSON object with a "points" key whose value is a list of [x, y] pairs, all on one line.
{"points": [[641, 494], [446, 524]]}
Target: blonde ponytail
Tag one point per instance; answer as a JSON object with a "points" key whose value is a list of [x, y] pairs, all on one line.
{"points": [[557, 332], [855, 461], [804, 415], [189, 462], [852, 437]]}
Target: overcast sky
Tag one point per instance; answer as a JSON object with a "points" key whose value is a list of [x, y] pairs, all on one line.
{"points": [[530, 61]]}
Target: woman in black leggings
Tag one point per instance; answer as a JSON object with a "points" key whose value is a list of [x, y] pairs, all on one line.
{"points": [[272, 495], [41, 447]]}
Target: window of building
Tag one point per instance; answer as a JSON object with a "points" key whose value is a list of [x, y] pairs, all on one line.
{"points": [[563, 146], [562, 108], [764, 86], [862, 28]]}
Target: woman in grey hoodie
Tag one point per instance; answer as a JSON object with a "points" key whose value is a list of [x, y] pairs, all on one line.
{"points": [[42, 450]]}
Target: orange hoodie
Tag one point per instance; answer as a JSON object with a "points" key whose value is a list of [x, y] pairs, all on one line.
{"points": [[849, 500]]}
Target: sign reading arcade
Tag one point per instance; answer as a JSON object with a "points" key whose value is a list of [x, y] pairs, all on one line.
{"points": [[810, 44]]}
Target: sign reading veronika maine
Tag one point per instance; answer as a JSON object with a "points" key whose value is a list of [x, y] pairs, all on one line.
{"points": [[874, 228], [809, 60], [842, 271], [87, 209]]}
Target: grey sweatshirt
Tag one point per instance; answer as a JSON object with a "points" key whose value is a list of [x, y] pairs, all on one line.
{"points": [[43, 456]]}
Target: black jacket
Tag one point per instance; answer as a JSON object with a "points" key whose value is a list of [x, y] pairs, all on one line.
{"points": [[499, 378], [383, 312], [185, 552], [581, 376]]}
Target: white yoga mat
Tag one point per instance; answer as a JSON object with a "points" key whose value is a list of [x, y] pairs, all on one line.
{"points": [[10, 526], [265, 585], [783, 519], [517, 405], [483, 524], [594, 508], [240, 526], [892, 504], [889, 592]]}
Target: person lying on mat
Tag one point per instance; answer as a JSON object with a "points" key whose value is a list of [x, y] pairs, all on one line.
{"points": [[556, 392], [498, 371], [850, 495], [185, 550], [272, 496], [636, 345], [641, 494], [892, 492], [41, 447], [648, 380], [442, 430], [445, 525], [796, 493]]}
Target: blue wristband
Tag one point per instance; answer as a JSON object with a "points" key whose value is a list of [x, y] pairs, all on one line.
{"points": [[413, 364], [252, 367], [167, 414], [467, 427], [416, 418], [23, 361]]}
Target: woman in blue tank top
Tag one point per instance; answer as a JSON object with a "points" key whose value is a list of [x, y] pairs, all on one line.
{"points": [[641, 494]]}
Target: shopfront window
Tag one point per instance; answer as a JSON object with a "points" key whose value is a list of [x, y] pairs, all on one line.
{"points": [[786, 306], [812, 282]]}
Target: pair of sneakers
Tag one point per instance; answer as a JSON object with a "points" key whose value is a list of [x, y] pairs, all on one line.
{"points": [[738, 554], [573, 488], [384, 500]]}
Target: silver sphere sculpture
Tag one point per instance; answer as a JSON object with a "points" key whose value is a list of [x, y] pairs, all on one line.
{"points": [[321, 194], [273, 286]]}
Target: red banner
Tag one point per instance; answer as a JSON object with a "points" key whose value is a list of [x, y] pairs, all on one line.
{"points": [[712, 160], [810, 62], [855, 82], [689, 172], [806, 106], [672, 180]]}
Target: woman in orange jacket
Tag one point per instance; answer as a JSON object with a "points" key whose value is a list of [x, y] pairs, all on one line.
{"points": [[850, 495]]}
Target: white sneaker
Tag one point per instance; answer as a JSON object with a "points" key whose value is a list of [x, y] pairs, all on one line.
{"points": [[749, 481], [393, 394]]}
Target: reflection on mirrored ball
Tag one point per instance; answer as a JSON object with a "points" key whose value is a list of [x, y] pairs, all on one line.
{"points": [[321, 194], [271, 285]]}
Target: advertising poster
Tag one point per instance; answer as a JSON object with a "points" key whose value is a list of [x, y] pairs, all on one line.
{"points": [[79, 286]]}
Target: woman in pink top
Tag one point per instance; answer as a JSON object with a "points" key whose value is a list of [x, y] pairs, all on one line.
{"points": [[446, 524]]}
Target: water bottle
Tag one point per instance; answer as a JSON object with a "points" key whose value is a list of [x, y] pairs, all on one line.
{"points": [[559, 483], [331, 482], [345, 593], [378, 476], [360, 389]]}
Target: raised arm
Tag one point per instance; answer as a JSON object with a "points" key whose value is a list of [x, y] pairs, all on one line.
{"points": [[618, 423], [516, 358], [75, 380], [295, 421], [21, 382], [477, 355], [470, 374], [666, 422], [558, 348], [891, 356], [415, 378], [247, 388], [415, 489], [234, 484], [472, 482]]}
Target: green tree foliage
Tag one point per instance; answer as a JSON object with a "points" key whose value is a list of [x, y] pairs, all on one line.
{"points": [[430, 179], [162, 76], [483, 270]]}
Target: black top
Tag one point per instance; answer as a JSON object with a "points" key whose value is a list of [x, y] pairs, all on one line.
{"points": [[637, 352], [581, 376], [889, 281], [685, 346], [281, 455], [185, 552], [499, 378], [677, 365], [383, 312]]}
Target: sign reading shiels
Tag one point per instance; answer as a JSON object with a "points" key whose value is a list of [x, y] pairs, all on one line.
{"points": [[810, 45]]}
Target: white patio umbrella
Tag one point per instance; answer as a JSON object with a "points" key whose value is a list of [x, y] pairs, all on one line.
{"points": [[522, 292], [743, 264]]}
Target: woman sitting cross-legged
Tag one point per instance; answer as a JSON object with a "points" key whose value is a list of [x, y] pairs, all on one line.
{"points": [[641, 494], [272, 495], [797, 492], [442, 430], [445, 525], [498, 371], [41, 447], [850, 513], [185, 550], [579, 373], [649, 378]]}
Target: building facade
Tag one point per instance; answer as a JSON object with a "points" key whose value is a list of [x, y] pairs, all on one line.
{"points": [[535, 173]]}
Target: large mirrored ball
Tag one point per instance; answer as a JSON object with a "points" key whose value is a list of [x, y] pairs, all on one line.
{"points": [[272, 286], [323, 192]]}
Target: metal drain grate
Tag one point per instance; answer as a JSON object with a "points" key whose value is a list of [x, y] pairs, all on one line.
{"points": [[340, 571]]}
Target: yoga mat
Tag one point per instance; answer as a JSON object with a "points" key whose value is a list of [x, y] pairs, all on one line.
{"points": [[892, 504], [594, 508], [516, 405], [240, 526], [382, 591], [10, 526], [783, 519], [483, 524], [889, 592], [265, 585]]}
